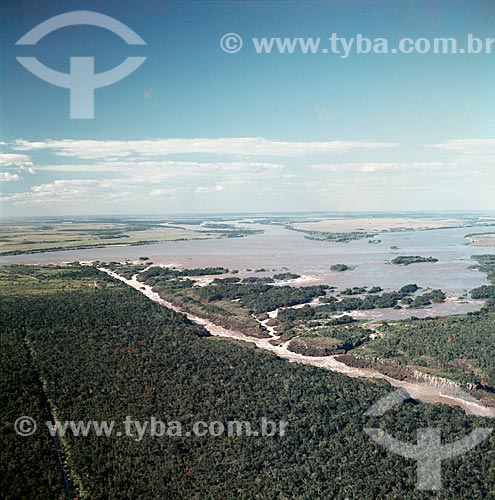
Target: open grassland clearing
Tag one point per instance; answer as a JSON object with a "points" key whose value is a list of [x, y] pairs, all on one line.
{"points": [[45, 237]]}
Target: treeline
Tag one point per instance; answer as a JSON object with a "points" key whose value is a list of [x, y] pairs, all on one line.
{"points": [[486, 264], [173, 273], [344, 237], [181, 294], [460, 347], [359, 290], [260, 298], [406, 260], [483, 292], [435, 296], [332, 304]]}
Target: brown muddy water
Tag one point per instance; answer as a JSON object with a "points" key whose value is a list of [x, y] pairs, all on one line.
{"points": [[279, 248]]}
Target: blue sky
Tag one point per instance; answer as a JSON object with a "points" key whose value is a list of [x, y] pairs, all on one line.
{"points": [[195, 129]]}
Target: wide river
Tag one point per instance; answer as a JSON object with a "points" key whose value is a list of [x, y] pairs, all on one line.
{"points": [[280, 248]]}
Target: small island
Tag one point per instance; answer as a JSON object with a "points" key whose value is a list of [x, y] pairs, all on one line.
{"points": [[406, 260], [481, 239], [286, 276], [342, 267]]}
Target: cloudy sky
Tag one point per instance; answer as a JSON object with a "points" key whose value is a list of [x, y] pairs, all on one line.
{"points": [[198, 130]]}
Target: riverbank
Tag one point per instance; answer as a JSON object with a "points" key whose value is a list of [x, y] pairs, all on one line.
{"points": [[419, 391]]}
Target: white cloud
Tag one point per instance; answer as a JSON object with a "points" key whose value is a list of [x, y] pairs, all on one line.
{"points": [[468, 146], [162, 191], [244, 146], [213, 189], [7, 177], [54, 192], [155, 181], [470, 153], [137, 165], [370, 167], [9, 159], [30, 170], [142, 176]]}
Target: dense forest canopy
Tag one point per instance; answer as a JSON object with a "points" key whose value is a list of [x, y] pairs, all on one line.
{"points": [[461, 347], [231, 302], [97, 349]]}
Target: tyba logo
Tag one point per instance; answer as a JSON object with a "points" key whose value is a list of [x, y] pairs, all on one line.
{"points": [[429, 452], [81, 80]]}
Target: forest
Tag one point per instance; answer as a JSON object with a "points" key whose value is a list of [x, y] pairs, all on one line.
{"points": [[333, 304], [407, 260], [460, 347], [456, 347], [261, 297], [96, 349]]}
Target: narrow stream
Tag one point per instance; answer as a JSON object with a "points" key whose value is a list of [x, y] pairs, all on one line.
{"points": [[423, 392]]}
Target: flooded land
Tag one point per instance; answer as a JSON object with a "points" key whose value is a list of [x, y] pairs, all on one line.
{"points": [[359, 307], [272, 245]]}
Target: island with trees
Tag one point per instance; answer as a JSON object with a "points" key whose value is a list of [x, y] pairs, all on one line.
{"points": [[406, 260]]}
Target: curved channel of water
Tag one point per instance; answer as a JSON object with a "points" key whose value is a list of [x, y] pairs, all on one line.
{"points": [[419, 391]]}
